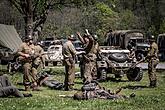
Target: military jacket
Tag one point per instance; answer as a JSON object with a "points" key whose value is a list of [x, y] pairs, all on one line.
{"points": [[68, 50]]}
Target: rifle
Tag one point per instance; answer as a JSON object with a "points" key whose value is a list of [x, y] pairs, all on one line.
{"points": [[134, 65]]}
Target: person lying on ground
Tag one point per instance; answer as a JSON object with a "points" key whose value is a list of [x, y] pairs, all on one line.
{"points": [[8, 89]]}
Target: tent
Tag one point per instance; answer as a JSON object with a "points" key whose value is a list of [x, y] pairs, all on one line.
{"points": [[9, 37]]}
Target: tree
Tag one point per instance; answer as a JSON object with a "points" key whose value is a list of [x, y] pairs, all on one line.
{"points": [[35, 12]]}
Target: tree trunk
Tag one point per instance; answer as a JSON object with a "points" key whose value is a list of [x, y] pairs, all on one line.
{"points": [[29, 19]]}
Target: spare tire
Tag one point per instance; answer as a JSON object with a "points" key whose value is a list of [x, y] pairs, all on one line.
{"points": [[118, 57], [135, 74]]}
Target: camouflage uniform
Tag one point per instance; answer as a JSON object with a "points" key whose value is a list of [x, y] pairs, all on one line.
{"points": [[69, 53], [153, 60]]}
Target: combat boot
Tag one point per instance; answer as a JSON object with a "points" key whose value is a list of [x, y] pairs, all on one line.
{"points": [[153, 84], [27, 86]]}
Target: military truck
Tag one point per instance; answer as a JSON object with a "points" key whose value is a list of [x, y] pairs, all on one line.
{"points": [[115, 55], [124, 38], [161, 46]]}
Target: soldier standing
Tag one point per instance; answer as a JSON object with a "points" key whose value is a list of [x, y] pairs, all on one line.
{"points": [[96, 51], [69, 53], [153, 60], [89, 57], [37, 63], [24, 56], [108, 37], [25, 52]]}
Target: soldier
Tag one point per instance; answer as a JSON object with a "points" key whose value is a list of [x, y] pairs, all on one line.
{"points": [[37, 63], [108, 36], [69, 53], [7, 89], [132, 55], [93, 90], [89, 57], [96, 51], [153, 60], [25, 52]]}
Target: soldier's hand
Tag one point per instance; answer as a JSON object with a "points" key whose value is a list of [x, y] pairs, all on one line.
{"points": [[78, 33]]}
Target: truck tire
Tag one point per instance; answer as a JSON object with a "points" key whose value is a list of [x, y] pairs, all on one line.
{"points": [[135, 74], [139, 56], [118, 57], [102, 74]]}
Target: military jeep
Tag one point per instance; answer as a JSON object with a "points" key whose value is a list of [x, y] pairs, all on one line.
{"points": [[117, 62], [115, 56]]}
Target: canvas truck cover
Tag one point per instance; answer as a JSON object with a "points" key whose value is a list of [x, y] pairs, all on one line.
{"points": [[9, 37]]}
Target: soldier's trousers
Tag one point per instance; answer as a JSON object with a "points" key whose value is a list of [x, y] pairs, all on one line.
{"points": [[7, 89], [29, 74], [152, 70], [94, 70], [34, 71], [88, 67], [69, 73]]}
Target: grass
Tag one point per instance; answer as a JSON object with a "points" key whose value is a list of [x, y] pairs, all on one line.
{"points": [[146, 98]]}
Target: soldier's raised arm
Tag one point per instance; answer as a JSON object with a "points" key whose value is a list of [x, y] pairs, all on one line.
{"points": [[80, 38]]}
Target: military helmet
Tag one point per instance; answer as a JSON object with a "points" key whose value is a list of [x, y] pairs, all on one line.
{"points": [[95, 37], [151, 38], [78, 96], [71, 37], [28, 38]]}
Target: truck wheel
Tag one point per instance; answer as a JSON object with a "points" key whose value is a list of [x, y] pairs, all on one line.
{"points": [[54, 63], [140, 56], [135, 74], [102, 74], [118, 57]]}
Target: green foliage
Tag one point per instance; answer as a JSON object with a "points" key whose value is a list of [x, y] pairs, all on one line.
{"points": [[162, 27], [40, 7], [104, 9], [96, 15], [127, 20]]}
